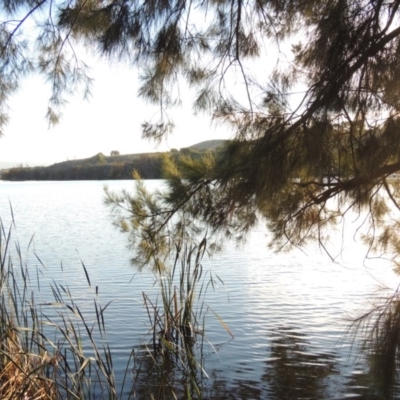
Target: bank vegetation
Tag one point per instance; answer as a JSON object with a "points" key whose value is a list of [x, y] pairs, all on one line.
{"points": [[113, 167]]}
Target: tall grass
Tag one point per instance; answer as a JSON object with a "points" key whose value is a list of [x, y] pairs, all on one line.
{"points": [[53, 350], [174, 354], [42, 355]]}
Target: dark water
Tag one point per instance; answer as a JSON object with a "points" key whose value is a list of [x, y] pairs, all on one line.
{"points": [[288, 312]]}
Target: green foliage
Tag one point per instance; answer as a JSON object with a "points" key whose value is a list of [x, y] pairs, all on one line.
{"points": [[380, 330], [295, 161]]}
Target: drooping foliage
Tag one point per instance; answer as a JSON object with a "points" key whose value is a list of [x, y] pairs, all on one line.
{"points": [[310, 89]]}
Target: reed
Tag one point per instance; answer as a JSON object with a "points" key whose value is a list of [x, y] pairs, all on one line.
{"points": [[177, 319], [42, 355], [53, 350], [26, 367]]}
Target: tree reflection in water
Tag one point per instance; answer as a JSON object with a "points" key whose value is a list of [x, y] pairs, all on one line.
{"points": [[292, 370]]}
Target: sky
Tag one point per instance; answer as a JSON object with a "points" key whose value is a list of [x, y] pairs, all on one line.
{"points": [[110, 120]]}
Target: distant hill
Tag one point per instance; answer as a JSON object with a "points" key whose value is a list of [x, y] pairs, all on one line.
{"points": [[207, 144], [101, 167], [101, 159]]}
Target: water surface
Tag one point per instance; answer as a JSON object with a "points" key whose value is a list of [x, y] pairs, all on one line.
{"points": [[288, 312]]}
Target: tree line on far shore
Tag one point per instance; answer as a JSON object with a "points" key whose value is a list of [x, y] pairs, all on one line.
{"points": [[101, 167]]}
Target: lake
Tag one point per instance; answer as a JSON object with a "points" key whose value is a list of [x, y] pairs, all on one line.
{"points": [[288, 312]]}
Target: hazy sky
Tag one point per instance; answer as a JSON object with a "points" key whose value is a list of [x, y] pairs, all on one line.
{"points": [[110, 120]]}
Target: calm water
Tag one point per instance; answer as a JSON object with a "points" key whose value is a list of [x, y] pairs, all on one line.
{"points": [[288, 312]]}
